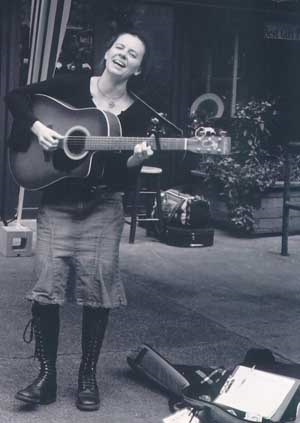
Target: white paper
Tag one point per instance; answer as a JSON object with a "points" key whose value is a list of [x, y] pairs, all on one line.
{"points": [[256, 392], [182, 416]]}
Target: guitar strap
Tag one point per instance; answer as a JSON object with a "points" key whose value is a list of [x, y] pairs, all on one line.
{"points": [[157, 141]]}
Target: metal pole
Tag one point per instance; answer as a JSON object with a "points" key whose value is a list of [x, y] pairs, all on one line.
{"points": [[235, 73], [286, 199]]}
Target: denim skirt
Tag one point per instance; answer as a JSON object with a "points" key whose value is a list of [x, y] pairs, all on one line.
{"points": [[77, 251]]}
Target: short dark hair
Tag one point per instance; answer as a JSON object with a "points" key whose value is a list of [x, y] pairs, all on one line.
{"points": [[137, 83]]}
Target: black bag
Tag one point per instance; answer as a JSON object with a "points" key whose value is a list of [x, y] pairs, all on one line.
{"points": [[188, 237], [186, 220], [185, 210], [145, 361]]}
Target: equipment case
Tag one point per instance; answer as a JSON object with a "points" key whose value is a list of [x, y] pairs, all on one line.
{"points": [[188, 237]]}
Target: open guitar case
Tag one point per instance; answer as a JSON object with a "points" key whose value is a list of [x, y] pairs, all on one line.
{"points": [[178, 381]]}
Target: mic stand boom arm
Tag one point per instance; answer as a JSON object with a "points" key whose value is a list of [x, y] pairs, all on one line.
{"points": [[159, 115]]}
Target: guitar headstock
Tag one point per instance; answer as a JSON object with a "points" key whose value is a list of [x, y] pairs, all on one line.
{"points": [[209, 144]]}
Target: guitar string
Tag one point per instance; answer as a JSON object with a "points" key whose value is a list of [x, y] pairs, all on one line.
{"points": [[125, 139], [104, 140], [113, 139], [111, 143]]}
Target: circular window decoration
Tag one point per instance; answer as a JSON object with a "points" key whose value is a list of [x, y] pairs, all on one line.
{"points": [[208, 106]]}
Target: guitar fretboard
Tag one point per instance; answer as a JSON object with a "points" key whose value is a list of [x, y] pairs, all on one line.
{"points": [[128, 143], [212, 144]]}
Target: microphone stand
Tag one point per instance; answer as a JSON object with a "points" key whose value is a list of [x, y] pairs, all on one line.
{"points": [[155, 131], [158, 114]]}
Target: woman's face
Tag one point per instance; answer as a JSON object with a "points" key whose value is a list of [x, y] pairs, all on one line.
{"points": [[125, 56]]}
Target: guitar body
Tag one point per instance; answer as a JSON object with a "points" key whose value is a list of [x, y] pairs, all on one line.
{"points": [[36, 168]]}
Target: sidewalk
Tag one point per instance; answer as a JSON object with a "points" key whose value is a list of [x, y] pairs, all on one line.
{"points": [[202, 305]]}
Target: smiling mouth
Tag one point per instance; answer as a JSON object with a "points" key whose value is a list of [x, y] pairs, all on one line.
{"points": [[119, 63]]}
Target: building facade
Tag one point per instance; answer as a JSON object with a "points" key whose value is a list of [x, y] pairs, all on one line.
{"points": [[237, 49]]}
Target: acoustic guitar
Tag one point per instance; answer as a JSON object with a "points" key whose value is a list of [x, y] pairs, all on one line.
{"points": [[86, 131]]}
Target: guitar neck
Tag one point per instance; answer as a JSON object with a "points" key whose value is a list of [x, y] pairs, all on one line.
{"points": [[203, 145], [128, 143]]}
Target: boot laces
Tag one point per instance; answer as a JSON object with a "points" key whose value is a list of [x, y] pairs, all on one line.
{"points": [[46, 367], [87, 380], [29, 326]]}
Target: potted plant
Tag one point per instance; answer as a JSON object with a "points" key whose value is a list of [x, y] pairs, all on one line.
{"points": [[241, 182]]}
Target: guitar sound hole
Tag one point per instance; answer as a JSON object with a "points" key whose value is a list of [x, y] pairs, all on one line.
{"points": [[76, 142]]}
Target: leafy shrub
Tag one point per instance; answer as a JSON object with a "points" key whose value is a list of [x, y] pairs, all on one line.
{"points": [[254, 165]]}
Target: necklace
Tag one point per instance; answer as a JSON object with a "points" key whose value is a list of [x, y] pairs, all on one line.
{"points": [[111, 101]]}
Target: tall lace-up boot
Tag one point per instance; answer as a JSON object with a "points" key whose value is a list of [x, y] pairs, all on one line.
{"points": [[94, 322], [45, 329]]}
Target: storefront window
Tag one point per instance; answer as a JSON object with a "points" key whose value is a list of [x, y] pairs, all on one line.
{"points": [[77, 49]]}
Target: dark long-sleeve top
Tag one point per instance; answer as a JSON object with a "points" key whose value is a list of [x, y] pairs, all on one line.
{"points": [[74, 90]]}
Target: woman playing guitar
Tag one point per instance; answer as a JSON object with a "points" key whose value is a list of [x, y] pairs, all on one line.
{"points": [[80, 220]]}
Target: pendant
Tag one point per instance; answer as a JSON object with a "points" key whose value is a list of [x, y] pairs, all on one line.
{"points": [[111, 104]]}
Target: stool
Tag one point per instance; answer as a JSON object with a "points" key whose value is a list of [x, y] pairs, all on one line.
{"points": [[148, 185]]}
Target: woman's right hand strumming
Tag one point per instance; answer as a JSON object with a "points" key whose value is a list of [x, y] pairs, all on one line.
{"points": [[47, 137]]}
